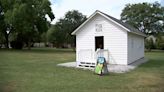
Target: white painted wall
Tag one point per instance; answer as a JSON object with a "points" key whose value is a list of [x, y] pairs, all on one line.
{"points": [[135, 47], [115, 39]]}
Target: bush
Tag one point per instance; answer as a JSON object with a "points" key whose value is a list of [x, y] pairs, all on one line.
{"points": [[160, 43], [149, 44], [17, 44]]}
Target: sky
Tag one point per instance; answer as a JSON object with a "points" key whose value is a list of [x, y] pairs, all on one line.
{"points": [[87, 7], [162, 2]]}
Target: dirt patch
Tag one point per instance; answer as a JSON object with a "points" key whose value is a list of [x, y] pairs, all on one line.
{"points": [[9, 87]]}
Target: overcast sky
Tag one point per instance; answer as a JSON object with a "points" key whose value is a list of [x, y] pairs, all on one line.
{"points": [[87, 7]]}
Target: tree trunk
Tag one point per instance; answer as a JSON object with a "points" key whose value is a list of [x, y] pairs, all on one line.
{"points": [[7, 41]]}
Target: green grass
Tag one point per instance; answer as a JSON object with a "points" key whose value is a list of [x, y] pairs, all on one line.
{"points": [[36, 71]]}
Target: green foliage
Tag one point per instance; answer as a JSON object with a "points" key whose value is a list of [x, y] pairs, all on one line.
{"points": [[60, 33], [43, 38], [2, 39], [56, 36], [149, 44], [27, 18], [72, 20], [2, 26], [146, 17], [160, 42]]}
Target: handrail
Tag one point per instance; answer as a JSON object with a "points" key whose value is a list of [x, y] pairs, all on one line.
{"points": [[90, 56]]}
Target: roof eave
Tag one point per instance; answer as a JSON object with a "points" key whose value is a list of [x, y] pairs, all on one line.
{"points": [[114, 21], [98, 12], [74, 32], [144, 35]]}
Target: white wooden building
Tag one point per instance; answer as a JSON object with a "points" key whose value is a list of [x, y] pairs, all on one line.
{"points": [[120, 43]]}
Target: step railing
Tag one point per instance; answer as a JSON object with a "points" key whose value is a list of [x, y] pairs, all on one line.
{"points": [[102, 53], [87, 58]]}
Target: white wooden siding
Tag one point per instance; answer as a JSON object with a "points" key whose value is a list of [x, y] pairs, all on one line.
{"points": [[115, 39], [135, 47]]}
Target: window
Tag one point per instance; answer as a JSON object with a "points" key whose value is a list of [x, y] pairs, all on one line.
{"points": [[98, 27]]}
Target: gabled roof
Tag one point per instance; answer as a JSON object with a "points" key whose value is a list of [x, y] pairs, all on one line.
{"points": [[125, 26]]}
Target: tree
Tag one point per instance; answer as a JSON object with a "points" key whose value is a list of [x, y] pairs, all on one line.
{"points": [[72, 20], [26, 18], [3, 34], [149, 44], [147, 18], [56, 36], [61, 31], [160, 41]]}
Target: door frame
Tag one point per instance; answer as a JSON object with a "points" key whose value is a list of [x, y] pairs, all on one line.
{"points": [[95, 44]]}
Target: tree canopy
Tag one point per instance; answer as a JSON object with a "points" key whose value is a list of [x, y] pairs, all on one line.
{"points": [[146, 17], [26, 18], [61, 32]]}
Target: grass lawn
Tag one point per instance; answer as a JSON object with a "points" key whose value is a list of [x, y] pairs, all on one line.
{"points": [[36, 71]]}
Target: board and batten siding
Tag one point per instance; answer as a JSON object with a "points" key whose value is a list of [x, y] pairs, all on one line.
{"points": [[135, 47], [115, 39]]}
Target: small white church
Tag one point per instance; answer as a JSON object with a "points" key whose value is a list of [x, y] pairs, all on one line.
{"points": [[106, 36]]}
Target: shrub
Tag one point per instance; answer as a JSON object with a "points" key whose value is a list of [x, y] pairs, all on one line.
{"points": [[160, 42], [149, 44]]}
